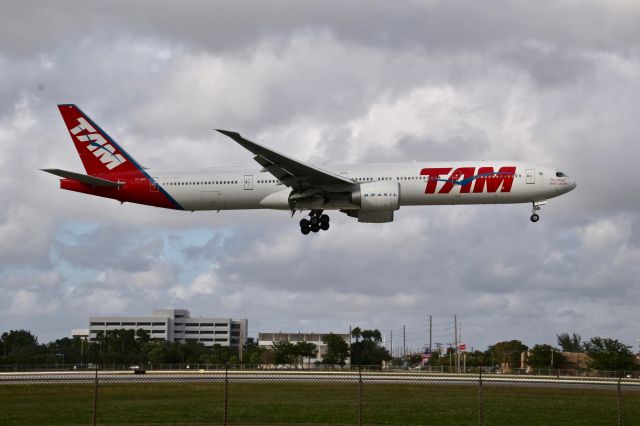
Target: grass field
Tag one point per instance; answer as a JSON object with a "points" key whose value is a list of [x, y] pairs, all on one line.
{"points": [[298, 403]]}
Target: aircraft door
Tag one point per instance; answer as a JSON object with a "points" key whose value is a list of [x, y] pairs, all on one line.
{"points": [[248, 182], [153, 185], [530, 175]]}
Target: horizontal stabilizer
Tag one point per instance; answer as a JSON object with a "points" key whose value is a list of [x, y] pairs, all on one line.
{"points": [[89, 180]]}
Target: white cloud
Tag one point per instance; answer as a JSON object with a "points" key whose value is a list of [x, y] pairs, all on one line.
{"points": [[436, 80]]}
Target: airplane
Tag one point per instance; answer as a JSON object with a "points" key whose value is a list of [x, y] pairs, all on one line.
{"points": [[371, 193]]}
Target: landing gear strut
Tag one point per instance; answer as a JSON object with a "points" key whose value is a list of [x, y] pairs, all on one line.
{"points": [[316, 222], [537, 205]]}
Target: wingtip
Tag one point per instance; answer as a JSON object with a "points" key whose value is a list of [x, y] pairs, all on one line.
{"points": [[227, 132]]}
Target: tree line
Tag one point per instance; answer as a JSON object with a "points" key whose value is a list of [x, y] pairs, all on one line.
{"points": [[600, 354], [135, 347]]}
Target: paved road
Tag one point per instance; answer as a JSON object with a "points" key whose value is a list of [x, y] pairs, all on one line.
{"points": [[202, 376]]}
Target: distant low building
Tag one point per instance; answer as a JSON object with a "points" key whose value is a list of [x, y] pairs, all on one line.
{"points": [[176, 325], [82, 333], [575, 360], [266, 340]]}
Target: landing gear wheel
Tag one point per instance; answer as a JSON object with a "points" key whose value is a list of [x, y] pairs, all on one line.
{"points": [[305, 230], [324, 218], [314, 220], [304, 223], [324, 225], [315, 227], [535, 218]]}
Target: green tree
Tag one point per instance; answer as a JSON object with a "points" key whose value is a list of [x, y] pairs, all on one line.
{"points": [[305, 349], [570, 343], [21, 347], [356, 333], [142, 336], [608, 354], [507, 352], [252, 352], [285, 352], [477, 359], [219, 354], [337, 349], [368, 351], [541, 356]]}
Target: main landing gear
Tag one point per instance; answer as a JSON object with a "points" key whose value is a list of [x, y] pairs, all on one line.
{"points": [[315, 223], [537, 205]]}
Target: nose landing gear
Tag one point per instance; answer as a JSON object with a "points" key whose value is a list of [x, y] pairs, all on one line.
{"points": [[316, 222], [537, 205]]}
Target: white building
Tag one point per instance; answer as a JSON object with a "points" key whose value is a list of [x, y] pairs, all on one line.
{"points": [[176, 325], [266, 340]]}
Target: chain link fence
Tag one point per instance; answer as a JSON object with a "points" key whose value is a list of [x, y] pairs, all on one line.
{"points": [[238, 396]]}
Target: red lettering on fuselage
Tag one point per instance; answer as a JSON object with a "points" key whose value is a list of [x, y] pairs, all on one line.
{"points": [[460, 176], [465, 177], [493, 180], [433, 174]]}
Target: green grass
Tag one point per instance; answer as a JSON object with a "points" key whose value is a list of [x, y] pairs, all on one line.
{"points": [[298, 403]]}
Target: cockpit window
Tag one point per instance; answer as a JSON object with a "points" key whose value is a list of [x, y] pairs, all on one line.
{"points": [[560, 174]]}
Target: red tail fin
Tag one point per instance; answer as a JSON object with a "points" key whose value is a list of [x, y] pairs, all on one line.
{"points": [[100, 154]]}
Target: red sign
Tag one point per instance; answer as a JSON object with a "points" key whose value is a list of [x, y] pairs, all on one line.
{"points": [[462, 347]]}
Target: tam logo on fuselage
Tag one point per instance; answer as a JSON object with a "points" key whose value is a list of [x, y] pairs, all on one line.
{"points": [[464, 177], [97, 144]]}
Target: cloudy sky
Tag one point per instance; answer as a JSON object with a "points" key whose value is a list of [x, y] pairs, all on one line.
{"points": [[554, 82]]}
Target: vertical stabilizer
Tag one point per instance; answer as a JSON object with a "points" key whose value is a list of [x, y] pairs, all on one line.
{"points": [[99, 154]]}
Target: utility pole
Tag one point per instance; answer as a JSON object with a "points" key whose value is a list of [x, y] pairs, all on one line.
{"points": [[391, 344], [459, 343], [404, 342], [430, 331], [455, 339]]}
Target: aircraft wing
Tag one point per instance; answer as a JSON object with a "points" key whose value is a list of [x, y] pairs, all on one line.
{"points": [[291, 172], [89, 180]]}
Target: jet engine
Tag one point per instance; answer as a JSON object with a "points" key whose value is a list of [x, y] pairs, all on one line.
{"points": [[375, 196], [377, 201]]}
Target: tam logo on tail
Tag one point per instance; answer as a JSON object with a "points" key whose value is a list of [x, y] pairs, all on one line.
{"points": [[105, 152]]}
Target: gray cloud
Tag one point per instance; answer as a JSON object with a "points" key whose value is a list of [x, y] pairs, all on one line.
{"points": [[109, 248]]}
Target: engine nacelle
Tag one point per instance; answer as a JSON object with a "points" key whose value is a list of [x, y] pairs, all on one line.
{"points": [[377, 196]]}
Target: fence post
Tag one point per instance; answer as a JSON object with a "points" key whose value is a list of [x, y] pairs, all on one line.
{"points": [[95, 397], [359, 395], [480, 401], [226, 393], [619, 402]]}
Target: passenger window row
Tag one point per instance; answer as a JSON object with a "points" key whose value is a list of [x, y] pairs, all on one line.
{"points": [[217, 182]]}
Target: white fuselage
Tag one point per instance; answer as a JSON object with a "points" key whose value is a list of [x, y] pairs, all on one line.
{"points": [[439, 183]]}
